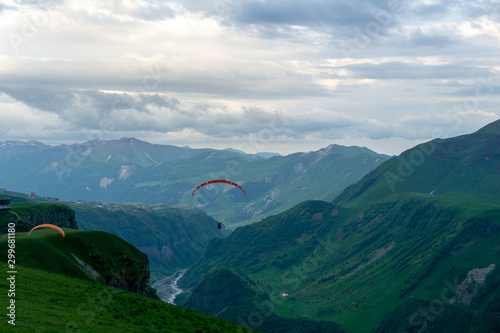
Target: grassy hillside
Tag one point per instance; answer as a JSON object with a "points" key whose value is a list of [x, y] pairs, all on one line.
{"points": [[62, 283], [49, 302], [92, 255], [410, 233], [353, 266], [226, 293]]}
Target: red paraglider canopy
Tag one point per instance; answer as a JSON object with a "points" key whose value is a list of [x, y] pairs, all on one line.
{"points": [[220, 181]]}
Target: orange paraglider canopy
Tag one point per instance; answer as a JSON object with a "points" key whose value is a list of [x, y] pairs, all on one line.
{"points": [[55, 227], [220, 181]]}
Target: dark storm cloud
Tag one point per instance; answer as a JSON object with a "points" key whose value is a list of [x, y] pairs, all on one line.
{"points": [[43, 98], [85, 108]]}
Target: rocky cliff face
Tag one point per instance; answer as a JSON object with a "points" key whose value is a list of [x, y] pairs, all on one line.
{"points": [[136, 282], [60, 215], [28, 216], [163, 254]]}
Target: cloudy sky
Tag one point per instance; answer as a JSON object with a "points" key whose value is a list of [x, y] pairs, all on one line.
{"points": [[257, 75]]}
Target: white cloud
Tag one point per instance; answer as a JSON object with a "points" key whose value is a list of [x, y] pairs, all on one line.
{"points": [[214, 73]]}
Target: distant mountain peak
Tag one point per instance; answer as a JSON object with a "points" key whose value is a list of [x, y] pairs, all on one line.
{"points": [[95, 142], [128, 140], [23, 143], [335, 148], [13, 147], [235, 151]]}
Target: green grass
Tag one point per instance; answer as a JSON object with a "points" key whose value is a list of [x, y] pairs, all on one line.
{"points": [[425, 230], [49, 302], [231, 295], [107, 254]]}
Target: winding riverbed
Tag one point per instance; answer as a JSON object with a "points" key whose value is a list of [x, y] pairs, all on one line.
{"points": [[167, 288]]}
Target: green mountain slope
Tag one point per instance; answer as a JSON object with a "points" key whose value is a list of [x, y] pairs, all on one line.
{"points": [[49, 302], [360, 264], [468, 163], [278, 242], [371, 259], [226, 293], [62, 283], [92, 255]]}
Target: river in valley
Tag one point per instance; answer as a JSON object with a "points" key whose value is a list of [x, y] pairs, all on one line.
{"points": [[167, 288]]}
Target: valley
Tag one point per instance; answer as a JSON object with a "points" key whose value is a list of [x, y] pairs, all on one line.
{"points": [[167, 288], [410, 246], [130, 170], [390, 252]]}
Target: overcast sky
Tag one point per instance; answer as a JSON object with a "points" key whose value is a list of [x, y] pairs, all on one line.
{"points": [[260, 75]]}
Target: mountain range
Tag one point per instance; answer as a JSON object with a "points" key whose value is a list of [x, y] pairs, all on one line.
{"points": [[414, 246], [131, 170]]}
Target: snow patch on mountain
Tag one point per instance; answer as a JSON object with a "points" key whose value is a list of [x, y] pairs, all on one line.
{"points": [[125, 172], [150, 158], [105, 182], [299, 168]]}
